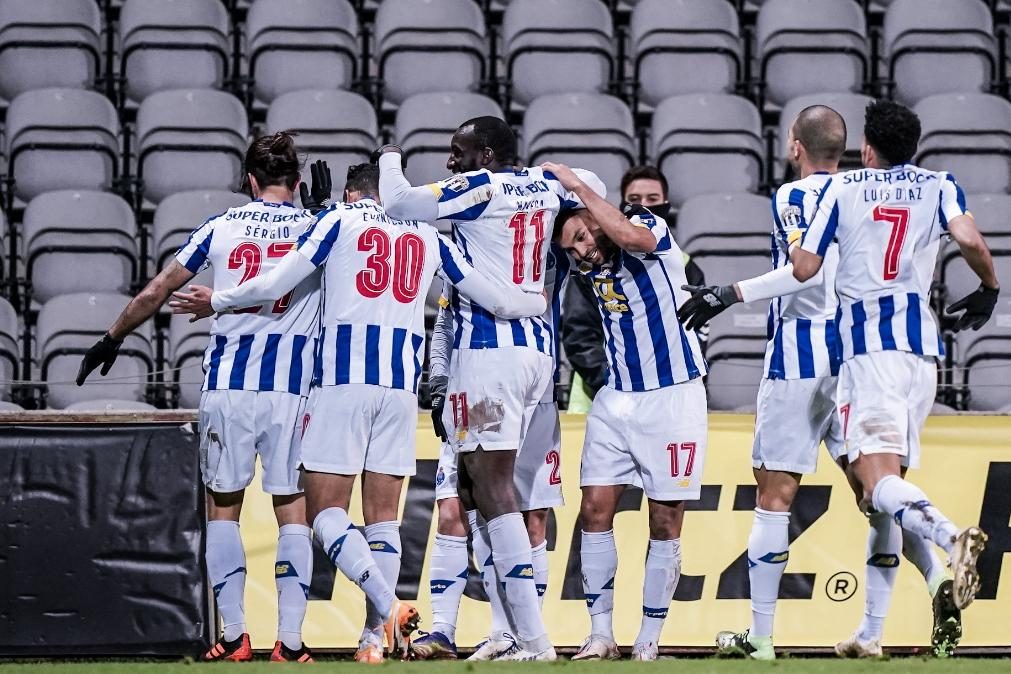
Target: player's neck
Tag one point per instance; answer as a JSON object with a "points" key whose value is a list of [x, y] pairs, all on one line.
{"points": [[275, 194], [807, 169]]}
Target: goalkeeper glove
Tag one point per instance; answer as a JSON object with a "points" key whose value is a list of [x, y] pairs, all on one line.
{"points": [[977, 306], [103, 353], [437, 386], [317, 198], [705, 303]]}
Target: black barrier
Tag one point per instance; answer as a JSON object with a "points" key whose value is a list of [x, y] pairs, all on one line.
{"points": [[101, 539]]}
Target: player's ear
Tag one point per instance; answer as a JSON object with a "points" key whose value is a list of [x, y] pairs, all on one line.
{"points": [[254, 187]]}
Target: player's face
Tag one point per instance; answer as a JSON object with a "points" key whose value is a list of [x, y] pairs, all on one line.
{"points": [[646, 192], [792, 152], [465, 154], [584, 240]]}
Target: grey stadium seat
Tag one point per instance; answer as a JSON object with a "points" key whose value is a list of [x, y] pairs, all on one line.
{"points": [[850, 106], [178, 215], [968, 135], [591, 131], [810, 45], [48, 43], [106, 405], [189, 139], [985, 358], [728, 215], [426, 122], [61, 139], [939, 46], [67, 326], [173, 45], [188, 342], [992, 213], [338, 126], [95, 250], [10, 408], [10, 348], [429, 45], [708, 143], [301, 44], [684, 47], [553, 43]]}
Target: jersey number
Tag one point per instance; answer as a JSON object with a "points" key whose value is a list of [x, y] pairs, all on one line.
{"points": [[554, 459], [403, 274], [688, 448], [518, 224], [898, 218], [247, 256]]}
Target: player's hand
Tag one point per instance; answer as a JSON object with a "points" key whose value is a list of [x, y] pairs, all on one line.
{"points": [[566, 176], [196, 302], [374, 157], [977, 307], [317, 198], [705, 303], [438, 386], [103, 353]]}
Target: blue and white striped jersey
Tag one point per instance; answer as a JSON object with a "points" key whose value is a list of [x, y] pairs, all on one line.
{"points": [[503, 223], [376, 275], [263, 348], [638, 296], [556, 279], [803, 335], [888, 223]]}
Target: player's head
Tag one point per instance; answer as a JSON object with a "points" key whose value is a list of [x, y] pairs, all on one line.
{"points": [[579, 234], [362, 182], [647, 186], [817, 139], [271, 161], [891, 134], [482, 142]]}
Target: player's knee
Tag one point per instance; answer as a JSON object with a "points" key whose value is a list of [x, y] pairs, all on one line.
{"points": [[452, 518], [777, 501], [595, 516], [537, 526]]}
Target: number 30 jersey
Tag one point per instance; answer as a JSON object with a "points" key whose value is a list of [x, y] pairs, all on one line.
{"points": [[264, 348], [888, 223]]}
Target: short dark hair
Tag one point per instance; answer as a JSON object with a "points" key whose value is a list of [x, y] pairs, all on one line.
{"points": [[363, 178], [272, 160], [822, 132], [561, 219], [893, 130], [643, 173], [496, 134]]}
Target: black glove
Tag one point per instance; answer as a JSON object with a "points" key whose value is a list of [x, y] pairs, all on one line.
{"points": [[376, 154], [705, 303], [317, 198], [437, 388], [978, 307], [103, 353]]}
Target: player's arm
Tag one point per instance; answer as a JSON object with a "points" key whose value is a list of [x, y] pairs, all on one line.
{"points": [[400, 198], [977, 306], [438, 362], [505, 301], [808, 248]]}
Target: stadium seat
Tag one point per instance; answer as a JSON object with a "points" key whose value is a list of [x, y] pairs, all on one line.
{"points": [[67, 326], [173, 45], [850, 106], [105, 405], [729, 216], [48, 43], [985, 355], [992, 213], [959, 280], [337, 126], [430, 45], [708, 143], [685, 47], [426, 122], [189, 139], [591, 131], [10, 348], [938, 46], [809, 45], [10, 408], [301, 44], [61, 139], [187, 343], [94, 250], [178, 215], [546, 43], [968, 135]]}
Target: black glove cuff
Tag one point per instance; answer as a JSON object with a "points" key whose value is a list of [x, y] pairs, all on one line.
{"points": [[990, 292], [438, 385], [109, 340], [727, 295]]}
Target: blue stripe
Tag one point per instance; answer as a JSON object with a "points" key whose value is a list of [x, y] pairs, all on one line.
{"points": [[237, 378], [199, 256], [609, 340], [654, 320], [829, 233], [399, 338], [298, 343], [519, 334], [417, 341], [449, 266], [775, 218], [959, 194], [538, 336], [796, 198], [343, 364], [777, 364], [215, 365], [832, 343], [857, 329], [269, 363], [805, 350], [686, 349], [886, 305], [454, 301], [626, 323], [317, 358], [483, 334], [914, 324], [326, 243], [372, 354]]}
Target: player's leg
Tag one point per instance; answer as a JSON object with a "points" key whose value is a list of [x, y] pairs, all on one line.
{"points": [[536, 522], [663, 570], [381, 510]]}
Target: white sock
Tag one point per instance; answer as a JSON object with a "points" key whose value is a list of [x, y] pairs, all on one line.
{"points": [[349, 552], [448, 574], [913, 511], [921, 553], [539, 556], [599, 559], [292, 574], [768, 552], [884, 541], [513, 561], [663, 570], [384, 542], [500, 620], [226, 569]]}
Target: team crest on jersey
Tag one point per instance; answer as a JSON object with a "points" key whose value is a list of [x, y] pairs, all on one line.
{"points": [[613, 300], [440, 477], [456, 184], [791, 217]]}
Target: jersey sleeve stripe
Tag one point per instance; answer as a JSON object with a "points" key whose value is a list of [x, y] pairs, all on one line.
{"points": [[829, 234], [196, 259], [449, 265]]}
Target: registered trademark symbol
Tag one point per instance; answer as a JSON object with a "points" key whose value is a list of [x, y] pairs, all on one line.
{"points": [[841, 586]]}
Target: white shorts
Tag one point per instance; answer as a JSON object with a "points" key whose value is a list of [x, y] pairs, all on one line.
{"points": [[354, 427], [235, 426], [659, 436], [794, 417], [537, 474], [492, 395], [884, 398]]}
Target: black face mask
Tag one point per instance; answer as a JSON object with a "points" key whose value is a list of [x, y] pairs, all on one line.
{"points": [[661, 210]]}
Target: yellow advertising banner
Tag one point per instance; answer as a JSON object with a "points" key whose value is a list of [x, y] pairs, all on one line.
{"points": [[966, 472]]}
